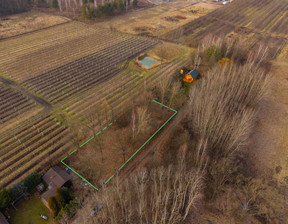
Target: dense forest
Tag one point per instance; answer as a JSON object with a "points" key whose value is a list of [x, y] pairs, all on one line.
{"points": [[14, 6]]}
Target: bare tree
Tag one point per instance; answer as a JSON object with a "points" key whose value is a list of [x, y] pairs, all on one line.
{"points": [[121, 143], [108, 111], [133, 118], [163, 85], [66, 4], [175, 89], [143, 119], [161, 196], [223, 111], [94, 123], [75, 130], [60, 5]]}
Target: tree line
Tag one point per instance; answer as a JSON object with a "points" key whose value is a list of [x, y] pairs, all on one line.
{"points": [[105, 9], [14, 6]]}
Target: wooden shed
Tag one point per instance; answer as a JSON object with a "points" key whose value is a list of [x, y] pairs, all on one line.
{"points": [[54, 177]]}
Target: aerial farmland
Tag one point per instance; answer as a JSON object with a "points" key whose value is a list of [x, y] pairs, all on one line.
{"points": [[97, 91]]}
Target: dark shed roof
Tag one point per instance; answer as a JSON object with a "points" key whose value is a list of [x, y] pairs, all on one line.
{"points": [[56, 176], [194, 73], [50, 193]]}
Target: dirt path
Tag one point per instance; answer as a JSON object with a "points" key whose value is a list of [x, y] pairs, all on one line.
{"points": [[47, 106]]}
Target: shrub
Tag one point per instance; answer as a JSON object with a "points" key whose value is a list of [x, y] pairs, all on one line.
{"points": [[55, 4], [53, 205], [125, 119], [5, 198], [32, 181], [108, 9], [63, 196], [60, 197], [68, 210], [83, 11], [135, 3], [120, 5], [90, 12], [180, 17], [18, 189], [97, 12]]}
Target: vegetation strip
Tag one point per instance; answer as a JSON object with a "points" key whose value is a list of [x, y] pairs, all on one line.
{"points": [[62, 161]]}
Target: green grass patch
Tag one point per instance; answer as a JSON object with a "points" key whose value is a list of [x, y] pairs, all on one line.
{"points": [[29, 212]]}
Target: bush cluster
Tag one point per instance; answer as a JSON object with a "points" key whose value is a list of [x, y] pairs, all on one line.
{"points": [[60, 202], [55, 4], [28, 184], [215, 49], [108, 9]]}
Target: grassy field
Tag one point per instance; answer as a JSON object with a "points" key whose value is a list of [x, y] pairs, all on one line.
{"points": [[28, 212], [27, 22]]}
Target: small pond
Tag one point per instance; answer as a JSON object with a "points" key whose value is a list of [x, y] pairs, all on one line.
{"points": [[147, 62]]}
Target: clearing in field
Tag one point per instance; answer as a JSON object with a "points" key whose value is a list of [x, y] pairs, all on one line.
{"points": [[110, 150], [157, 20], [27, 22]]}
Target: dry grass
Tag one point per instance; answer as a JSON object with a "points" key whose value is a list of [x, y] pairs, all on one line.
{"points": [[26, 22], [166, 51], [202, 8]]}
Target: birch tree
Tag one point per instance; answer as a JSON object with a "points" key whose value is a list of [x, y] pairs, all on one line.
{"points": [[163, 195]]}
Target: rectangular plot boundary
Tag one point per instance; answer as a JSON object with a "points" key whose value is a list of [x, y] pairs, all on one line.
{"points": [[134, 154]]}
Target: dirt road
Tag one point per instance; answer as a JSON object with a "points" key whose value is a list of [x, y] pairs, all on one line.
{"points": [[47, 106]]}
